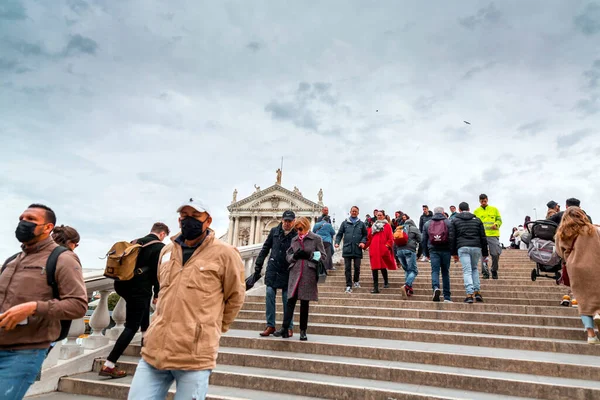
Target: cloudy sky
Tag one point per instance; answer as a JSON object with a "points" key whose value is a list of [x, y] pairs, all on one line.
{"points": [[113, 113]]}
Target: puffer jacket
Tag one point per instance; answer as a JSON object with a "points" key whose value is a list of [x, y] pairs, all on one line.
{"points": [[468, 232], [423, 220], [414, 236]]}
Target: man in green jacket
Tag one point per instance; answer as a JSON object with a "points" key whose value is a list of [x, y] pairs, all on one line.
{"points": [[490, 216]]}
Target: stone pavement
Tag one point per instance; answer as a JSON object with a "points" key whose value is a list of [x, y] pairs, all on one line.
{"points": [[518, 344]]}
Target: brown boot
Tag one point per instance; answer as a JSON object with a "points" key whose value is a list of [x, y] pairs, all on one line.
{"points": [[112, 372], [268, 331]]}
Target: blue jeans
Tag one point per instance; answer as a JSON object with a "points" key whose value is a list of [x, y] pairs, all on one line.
{"points": [[440, 260], [408, 260], [469, 258], [271, 307], [150, 383], [18, 369], [588, 321]]}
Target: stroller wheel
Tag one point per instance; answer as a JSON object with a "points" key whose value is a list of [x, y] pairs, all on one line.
{"points": [[533, 274]]}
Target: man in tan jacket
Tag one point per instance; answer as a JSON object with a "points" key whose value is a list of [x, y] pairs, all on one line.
{"points": [[202, 291], [30, 314]]}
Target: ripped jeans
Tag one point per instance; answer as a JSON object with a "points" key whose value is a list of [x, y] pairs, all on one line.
{"points": [[150, 383], [18, 369]]}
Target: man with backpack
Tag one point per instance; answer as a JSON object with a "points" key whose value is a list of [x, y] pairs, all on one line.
{"points": [[438, 236], [470, 243], [492, 221], [137, 293], [51, 279], [407, 254]]}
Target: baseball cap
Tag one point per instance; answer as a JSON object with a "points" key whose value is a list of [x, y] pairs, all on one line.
{"points": [[197, 204], [552, 204], [288, 215]]}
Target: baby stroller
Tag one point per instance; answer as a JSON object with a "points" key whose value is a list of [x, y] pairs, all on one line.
{"points": [[540, 248]]}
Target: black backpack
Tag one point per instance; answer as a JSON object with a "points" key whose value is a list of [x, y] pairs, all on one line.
{"points": [[65, 325]]}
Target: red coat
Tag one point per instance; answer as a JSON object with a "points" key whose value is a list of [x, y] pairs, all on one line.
{"points": [[381, 255]]}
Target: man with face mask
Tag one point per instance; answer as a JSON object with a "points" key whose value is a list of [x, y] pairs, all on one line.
{"points": [[28, 328], [137, 293], [202, 290]]}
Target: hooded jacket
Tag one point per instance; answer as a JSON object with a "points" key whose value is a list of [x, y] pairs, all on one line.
{"points": [[414, 236], [468, 232], [423, 220], [428, 247]]}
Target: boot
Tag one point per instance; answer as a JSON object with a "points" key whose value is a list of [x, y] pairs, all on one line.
{"points": [[303, 335], [375, 281], [386, 283], [269, 330], [284, 333]]}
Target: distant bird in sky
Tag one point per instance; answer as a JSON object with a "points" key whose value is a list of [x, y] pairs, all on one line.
{"points": [[467, 122], [376, 110]]}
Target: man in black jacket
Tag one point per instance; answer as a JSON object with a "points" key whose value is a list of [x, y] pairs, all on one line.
{"points": [[137, 293], [354, 233], [277, 274], [438, 236], [469, 244], [426, 216], [572, 202]]}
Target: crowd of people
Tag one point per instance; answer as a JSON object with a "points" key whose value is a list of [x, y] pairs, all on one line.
{"points": [[197, 282]]}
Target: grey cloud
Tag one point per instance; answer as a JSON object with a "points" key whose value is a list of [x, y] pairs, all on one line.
{"points": [[80, 44], [566, 141], [255, 46], [533, 128], [26, 48], [486, 15], [477, 70], [424, 185], [589, 106], [78, 6], [588, 22], [424, 103], [492, 175], [455, 133], [593, 75], [12, 10]]}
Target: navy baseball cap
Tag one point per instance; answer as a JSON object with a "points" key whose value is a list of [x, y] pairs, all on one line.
{"points": [[288, 215]]}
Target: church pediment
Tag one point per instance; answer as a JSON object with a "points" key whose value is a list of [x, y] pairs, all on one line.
{"points": [[275, 197]]}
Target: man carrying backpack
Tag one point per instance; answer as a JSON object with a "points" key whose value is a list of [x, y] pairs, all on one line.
{"points": [[438, 235], [407, 254], [28, 327], [137, 293], [492, 221]]}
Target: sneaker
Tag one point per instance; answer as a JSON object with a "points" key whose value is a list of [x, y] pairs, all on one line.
{"points": [[469, 299], [357, 284], [494, 274], [404, 292], [478, 297], [574, 303], [410, 291], [436, 294], [593, 340], [448, 301], [423, 259], [348, 289], [566, 301]]}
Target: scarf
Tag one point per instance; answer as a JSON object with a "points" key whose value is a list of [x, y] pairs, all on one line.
{"points": [[301, 237], [378, 226]]}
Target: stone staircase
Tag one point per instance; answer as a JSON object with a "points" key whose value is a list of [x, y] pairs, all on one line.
{"points": [[519, 344]]}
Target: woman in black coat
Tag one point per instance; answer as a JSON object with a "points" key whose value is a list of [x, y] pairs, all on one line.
{"points": [[303, 255]]}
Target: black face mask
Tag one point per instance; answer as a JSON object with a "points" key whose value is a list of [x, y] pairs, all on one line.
{"points": [[191, 228], [25, 231]]}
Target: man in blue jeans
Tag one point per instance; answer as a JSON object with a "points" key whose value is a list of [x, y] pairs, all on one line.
{"points": [[438, 236], [277, 274], [408, 255], [470, 242]]}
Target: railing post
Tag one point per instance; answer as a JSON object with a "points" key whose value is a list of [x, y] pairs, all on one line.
{"points": [[73, 349], [100, 320], [118, 316]]}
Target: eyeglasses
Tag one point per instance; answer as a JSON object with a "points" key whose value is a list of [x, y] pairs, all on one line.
{"points": [[300, 229]]}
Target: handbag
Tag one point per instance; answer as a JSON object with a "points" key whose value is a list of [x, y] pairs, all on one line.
{"points": [[321, 272]]}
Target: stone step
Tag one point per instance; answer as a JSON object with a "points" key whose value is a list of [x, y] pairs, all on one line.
{"points": [[344, 299], [444, 315], [456, 291], [573, 366], [290, 381], [433, 336], [460, 377], [433, 324], [455, 280], [486, 285]]}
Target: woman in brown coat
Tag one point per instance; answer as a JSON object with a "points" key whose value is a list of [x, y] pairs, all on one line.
{"points": [[578, 244], [303, 255]]}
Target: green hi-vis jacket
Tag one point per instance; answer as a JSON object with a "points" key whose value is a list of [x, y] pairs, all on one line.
{"points": [[489, 216]]}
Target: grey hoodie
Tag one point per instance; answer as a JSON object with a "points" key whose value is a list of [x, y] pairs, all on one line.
{"points": [[414, 236]]}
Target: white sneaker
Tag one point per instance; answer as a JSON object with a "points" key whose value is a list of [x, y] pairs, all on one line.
{"points": [[448, 301], [593, 340], [348, 289], [423, 259], [356, 284]]}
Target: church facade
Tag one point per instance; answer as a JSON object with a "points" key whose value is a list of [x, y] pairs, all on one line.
{"points": [[251, 218]]}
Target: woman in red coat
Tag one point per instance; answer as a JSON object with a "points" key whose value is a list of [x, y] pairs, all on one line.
{"points": [[380, 243]]}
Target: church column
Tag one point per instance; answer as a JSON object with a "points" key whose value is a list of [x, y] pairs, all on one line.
{"points": [[230, 231], [258, 232], [251, 240], [236, 234]]}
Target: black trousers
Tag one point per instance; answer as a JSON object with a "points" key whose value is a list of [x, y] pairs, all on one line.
{"points": [[384, 273], [348, 267], [137, 316], [328, 261], [288, 315]]}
